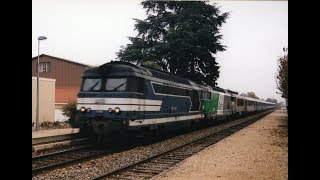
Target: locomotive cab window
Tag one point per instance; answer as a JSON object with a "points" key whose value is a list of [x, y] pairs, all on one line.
{"points": [[90, 84], [117, 84], [130, 84]]}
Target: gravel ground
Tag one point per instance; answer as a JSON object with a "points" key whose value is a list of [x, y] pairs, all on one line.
{"points": [[259, 151], [92, 168]]}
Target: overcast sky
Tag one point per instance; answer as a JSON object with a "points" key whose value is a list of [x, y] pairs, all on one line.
{"points": [[92, 31]]}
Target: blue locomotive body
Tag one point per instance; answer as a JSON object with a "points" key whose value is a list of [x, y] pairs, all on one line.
{"points": [[120, 96]]}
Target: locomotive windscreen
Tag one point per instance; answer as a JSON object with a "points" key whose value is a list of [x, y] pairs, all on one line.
{"points": [[90, 84], [116, 84]]}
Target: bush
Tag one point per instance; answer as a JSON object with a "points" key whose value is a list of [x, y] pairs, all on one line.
{"points": [[69, 110]]}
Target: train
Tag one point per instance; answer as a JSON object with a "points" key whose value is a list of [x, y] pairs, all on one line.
{"points": [[120, 97]]}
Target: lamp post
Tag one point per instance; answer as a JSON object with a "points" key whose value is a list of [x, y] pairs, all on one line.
{"points": [[38, 65]]}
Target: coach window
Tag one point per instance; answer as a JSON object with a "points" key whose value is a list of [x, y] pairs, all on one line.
{"points": [[91, 84], [227, 102], [240, 102]]}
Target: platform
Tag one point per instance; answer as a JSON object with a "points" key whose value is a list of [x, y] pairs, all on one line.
{"points": [[259, 151], [44, 136]]}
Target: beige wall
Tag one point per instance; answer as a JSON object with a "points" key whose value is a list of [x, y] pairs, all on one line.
{"points": [[46, 99]]}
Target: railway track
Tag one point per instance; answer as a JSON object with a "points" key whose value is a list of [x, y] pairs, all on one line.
{"points": [[65, 157], [52, 144], [150, 167], [61, 158]]}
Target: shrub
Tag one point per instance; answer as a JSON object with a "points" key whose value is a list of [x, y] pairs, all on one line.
{"points": [[69, 110], [46, 124]]}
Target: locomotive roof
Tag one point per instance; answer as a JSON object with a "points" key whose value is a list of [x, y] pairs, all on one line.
{"points": [[115, 68], [219, 89], [118, 68]]}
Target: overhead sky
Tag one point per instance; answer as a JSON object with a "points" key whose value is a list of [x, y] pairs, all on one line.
{"points": [[92, 31]]}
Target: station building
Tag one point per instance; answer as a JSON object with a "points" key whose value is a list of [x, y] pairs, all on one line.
{"points": [[67, 75]]}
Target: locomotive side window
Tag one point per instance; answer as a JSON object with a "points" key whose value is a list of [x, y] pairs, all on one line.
{"points": [[169, 90], [91, 84], [206, 95], [193, 94], [195, 100]]}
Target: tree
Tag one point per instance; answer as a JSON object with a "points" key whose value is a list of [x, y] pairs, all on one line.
{"points": [[181, 37], [271, 100], [282, 75], [250, 94], [152, 65]]}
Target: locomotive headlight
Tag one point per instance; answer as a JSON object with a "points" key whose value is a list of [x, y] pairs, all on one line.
{"points": [[82, 109], [117, 110], [110, 110], [88, 109]]}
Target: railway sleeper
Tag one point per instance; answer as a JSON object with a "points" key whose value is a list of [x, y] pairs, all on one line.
{"points": [[148, 171], [188, 152], [166, 162], [160, 166], [156, 170], [133, 174], [169, 159], [176, 158], [183, 156], [146, 167], [118, 176]]}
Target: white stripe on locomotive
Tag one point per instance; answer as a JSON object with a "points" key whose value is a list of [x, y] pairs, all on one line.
{"points": [[119, 101], [105, 107], [163, 120]]}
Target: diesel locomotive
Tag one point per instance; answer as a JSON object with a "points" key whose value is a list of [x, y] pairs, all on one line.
{"points": [[120, 96]]}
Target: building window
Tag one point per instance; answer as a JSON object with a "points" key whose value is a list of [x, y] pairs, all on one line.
{"points": [[44, 67]]}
